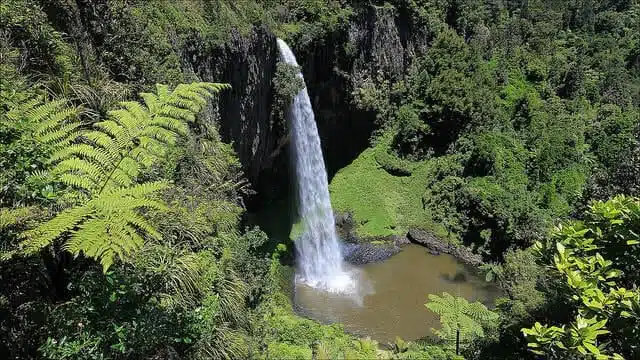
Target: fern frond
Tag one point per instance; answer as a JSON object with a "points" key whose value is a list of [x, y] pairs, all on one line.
{"points": [[118, 179], [159, 133], [18, 112], [45, 233], [438, 307], [143, 190], [116, 228], [53, 119], [37, 114], [162, 90], [96, 155], [106, 162], [148, 151], [177, 112], [457, 314], [131, 116], [139, 223], [61, 137], [53, 124], [141, 155], [479, 312], [151, 101], [130, 167], [99, 138], [110, 128], [169, 123], [189, 100], [75, 165], [78, 182]]}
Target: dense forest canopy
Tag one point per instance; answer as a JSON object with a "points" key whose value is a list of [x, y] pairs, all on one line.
{"points": [[508, 128]]}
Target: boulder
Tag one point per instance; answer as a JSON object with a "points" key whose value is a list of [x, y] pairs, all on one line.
{"points": [[437, 246], [364, 253]]}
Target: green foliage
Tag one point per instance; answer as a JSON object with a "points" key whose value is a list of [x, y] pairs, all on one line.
{"points": [[461, 320], [390, 161], [286, 351], [510, 116], [287, 84], [21, 154], [27, 25], [188, 289], [580, 338], [526, 108], [306, 21], [85, 348], [522, 279], [605, 289], [382, 204], [105, 165]]}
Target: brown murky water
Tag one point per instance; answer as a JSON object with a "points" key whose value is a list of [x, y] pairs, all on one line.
{"points": [[391, 301]]}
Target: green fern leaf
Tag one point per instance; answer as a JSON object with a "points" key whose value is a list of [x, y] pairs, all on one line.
{"points": [[44, 234], [457, 314], [99, 138], [105, 162], [39, 113]]}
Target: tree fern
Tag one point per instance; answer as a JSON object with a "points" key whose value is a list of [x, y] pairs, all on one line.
{"points": [[133, 137], [54, 123], [459, 318], [105, 162]]}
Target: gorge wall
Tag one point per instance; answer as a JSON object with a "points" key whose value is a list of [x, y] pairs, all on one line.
{"points": [[377, 44]]}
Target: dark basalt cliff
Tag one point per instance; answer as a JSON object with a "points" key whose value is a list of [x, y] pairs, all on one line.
{"points": [[378, 43], [248, 63]]}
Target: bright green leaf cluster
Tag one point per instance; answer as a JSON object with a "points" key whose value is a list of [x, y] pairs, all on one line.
{"points": [[461, 320], [104, 164], [581, 253]]}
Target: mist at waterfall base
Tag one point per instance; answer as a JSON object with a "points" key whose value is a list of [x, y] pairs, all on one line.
{"points": [[319, 257]]}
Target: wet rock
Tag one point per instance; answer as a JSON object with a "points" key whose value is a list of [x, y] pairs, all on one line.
{"points": [[364, 253], [345, 227], [400, 240], [248, 63], [437, 246]]}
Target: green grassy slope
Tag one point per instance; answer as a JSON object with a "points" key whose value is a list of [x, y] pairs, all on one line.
{"points": [[382, 204]]}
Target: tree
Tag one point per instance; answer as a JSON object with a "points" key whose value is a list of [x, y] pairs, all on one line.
{"points": [[103, 166], [599, 258], [460, 319]]}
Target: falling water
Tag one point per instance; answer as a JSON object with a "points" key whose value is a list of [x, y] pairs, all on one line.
{"points": [[319, 257]]}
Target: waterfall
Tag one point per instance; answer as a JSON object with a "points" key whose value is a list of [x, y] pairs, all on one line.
{"points": [[318, 250]]}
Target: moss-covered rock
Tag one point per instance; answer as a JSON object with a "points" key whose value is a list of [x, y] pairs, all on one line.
{"points": [[382, 204]]}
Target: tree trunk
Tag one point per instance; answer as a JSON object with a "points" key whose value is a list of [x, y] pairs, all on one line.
{"points": [[457, 341]]}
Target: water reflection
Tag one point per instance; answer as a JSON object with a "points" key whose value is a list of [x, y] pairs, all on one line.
{"points": [[391, 295], [459, 277]]}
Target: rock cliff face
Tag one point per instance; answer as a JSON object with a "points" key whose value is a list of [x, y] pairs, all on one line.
{"points": [[248, 63], [378, 43]]}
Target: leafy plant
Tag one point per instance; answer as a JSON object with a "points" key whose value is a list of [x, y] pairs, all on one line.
{"points": [[400, 346], [607, 309], [104, 165], [287, 83], [460, 319]]}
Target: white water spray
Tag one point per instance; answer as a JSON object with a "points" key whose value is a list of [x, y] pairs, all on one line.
{"points": [[319, 256]]}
